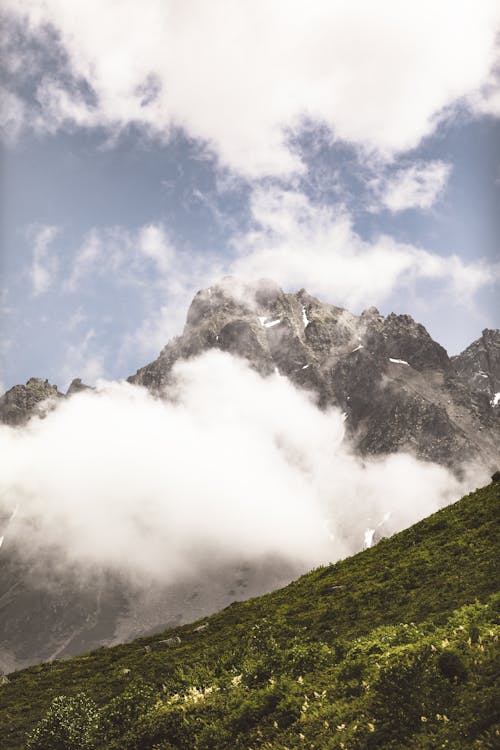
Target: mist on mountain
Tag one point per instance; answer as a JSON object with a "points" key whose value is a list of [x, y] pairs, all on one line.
{"points": [[231, 465]]}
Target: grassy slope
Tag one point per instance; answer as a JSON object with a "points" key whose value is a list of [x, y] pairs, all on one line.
{"points": [[351, 613]]}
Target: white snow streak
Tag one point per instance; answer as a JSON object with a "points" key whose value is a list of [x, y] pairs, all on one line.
{"points": [[398, 361]]}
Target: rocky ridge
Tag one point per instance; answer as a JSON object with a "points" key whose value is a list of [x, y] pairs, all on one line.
{"points": [[398, 387]]}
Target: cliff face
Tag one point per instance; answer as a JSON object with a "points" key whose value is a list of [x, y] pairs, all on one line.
{"points": [[479, 364]]}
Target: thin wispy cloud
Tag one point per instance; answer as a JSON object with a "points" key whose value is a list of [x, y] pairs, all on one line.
{"points": [[84, 358], [44, 263], [12, 115], [416, 186]]}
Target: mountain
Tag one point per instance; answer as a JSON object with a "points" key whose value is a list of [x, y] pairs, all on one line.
{"points": [[396, 647], [397, 387]]}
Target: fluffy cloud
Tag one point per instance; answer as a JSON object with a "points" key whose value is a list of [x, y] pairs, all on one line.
{"points": [[416, 186], [234, 467], [44, 263], [299, 243], [291, 240], [242, 76]]}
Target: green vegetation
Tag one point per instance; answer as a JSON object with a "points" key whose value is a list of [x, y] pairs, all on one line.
{"points": [[394, 648]]}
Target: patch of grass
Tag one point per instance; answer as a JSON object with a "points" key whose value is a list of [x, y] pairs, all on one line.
{"points": [[396, 647]]}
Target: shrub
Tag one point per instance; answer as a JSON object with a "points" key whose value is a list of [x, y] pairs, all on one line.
{"points": [[71, 723], [451, 665]]}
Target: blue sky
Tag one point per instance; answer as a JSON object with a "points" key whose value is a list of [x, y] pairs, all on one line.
{"points": [[149, 148]]}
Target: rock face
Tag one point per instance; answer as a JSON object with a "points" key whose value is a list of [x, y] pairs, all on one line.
{"points": [[479, 364], [23, 401], [396, 385], [36, 398]]}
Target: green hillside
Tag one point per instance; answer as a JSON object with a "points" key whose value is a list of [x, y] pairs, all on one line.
{"points": [[396, 647]]}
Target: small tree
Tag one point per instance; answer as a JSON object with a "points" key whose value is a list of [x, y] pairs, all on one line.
{"points": [[70, 723]]}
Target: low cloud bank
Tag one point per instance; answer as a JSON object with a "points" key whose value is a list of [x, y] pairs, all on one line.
{"points": [[232, 466]]}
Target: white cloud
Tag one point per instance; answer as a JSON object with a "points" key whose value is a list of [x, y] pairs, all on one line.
{"points": [[144, 259], [44, 264], [234, 467], [154, 244], [82, 360], [12, 115], [486, 101], [239, 76], [300, 244], [122, 255], [416, 186], [292, 240], [85, 260]]}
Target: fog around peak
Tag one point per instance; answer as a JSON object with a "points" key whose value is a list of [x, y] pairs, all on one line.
{"points": [[231, 466]]}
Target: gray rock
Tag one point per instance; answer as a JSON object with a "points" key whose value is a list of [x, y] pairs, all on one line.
{"points": [[22, 402], [77, 386], [169, 642], [200, 628], [396, 385], [479, 364]]}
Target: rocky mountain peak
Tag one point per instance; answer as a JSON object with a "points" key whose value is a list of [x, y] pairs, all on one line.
{"points": [[397, 386], [19, 403], [408, 340], [76, 386]]}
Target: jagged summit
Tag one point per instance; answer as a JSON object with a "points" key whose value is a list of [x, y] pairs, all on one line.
{"points": [[397, 386], [22, 401], [36, 397]]}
